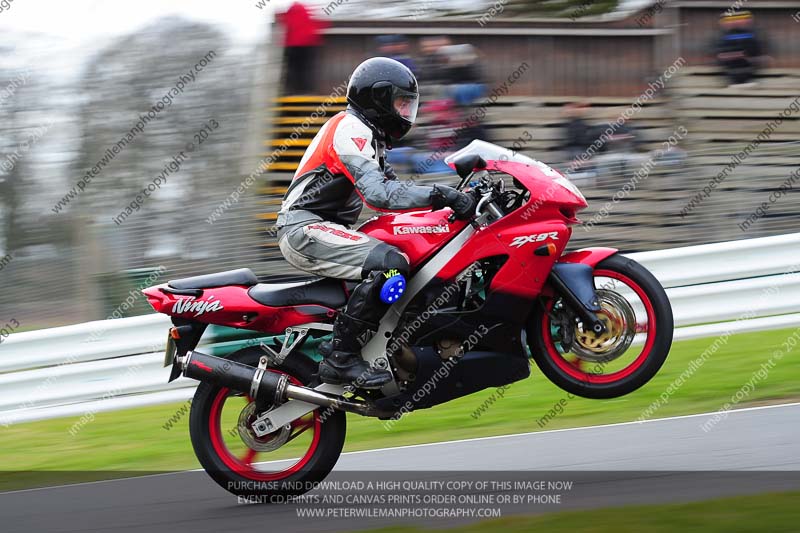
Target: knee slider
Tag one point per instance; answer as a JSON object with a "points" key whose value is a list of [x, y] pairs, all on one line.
{"points": [[396, 264], [393, 287]]}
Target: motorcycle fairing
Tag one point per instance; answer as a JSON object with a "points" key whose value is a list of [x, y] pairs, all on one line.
{"points": [[418, 234], [439, 381], [233, 306]]}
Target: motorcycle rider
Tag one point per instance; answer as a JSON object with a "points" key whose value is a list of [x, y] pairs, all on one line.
{"points": [[344, 168]]}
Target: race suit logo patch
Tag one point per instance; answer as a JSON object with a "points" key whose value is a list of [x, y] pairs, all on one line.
{"points": [[334, 231], [198, 307], [360, 142]]}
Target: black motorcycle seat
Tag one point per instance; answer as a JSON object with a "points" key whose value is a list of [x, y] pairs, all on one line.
{"points": [[329, 292], [241, 276]]}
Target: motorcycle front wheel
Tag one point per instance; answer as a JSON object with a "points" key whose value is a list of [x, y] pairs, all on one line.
{"points": [[639, 327], [270, 469]]}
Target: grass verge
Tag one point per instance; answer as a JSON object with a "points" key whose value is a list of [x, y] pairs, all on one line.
{"points": [[775, 513]]}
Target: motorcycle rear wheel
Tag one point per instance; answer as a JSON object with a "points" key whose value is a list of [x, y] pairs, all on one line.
{"points": [[240, 462]]}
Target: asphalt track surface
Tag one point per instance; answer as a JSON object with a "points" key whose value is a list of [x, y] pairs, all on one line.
{"points": [[660, 461]]}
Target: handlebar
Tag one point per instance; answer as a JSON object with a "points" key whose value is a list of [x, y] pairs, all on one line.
{"points": [[483, 192], [482, 199]]}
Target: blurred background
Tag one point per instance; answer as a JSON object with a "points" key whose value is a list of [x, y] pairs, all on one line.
{"points": [[640, 102]]}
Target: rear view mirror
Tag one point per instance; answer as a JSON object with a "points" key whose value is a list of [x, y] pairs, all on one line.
{"points": [[467, 163]]}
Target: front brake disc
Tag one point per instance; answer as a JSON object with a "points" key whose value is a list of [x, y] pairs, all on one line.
{"points": [[620, 321]]}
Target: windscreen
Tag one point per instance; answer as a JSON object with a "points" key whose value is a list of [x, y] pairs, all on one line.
{"points": [[490, 152]]}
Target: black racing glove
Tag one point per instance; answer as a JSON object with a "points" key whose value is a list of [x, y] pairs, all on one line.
{"points": [[463, 204]]}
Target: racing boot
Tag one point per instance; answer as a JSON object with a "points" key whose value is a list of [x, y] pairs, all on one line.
{"points": [[352, 330], [342, 363]]}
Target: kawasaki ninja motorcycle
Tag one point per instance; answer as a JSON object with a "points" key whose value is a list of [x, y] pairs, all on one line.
{"points": [[484, 297]]}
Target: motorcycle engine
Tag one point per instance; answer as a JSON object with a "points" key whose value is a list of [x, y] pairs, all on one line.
{"points": [[436, 318], [406, 361], [447, 348]]}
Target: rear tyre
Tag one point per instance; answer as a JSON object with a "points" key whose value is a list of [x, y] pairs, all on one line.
{"points": [[246, 465], [637, 314]]}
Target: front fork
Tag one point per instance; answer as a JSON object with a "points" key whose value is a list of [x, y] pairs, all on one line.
{"points": [[575, 283]]}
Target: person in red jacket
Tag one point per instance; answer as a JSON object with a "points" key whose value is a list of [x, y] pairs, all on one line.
{"points": [[344, 168], [302, 38]]}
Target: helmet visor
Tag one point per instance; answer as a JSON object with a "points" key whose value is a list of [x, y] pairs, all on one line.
{"points": [[405, 104]]}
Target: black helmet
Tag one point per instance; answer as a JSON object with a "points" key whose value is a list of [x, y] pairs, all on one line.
{"points": [[385, 92]]}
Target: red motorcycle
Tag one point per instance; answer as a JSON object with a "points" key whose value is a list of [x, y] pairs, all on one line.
{"points": [[484, 296]]}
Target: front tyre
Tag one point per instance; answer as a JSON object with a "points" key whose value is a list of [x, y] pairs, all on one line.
{"points": [[638, 319], [285, 463]]}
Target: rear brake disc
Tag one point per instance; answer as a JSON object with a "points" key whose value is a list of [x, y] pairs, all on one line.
{"points": [[268, 443]]}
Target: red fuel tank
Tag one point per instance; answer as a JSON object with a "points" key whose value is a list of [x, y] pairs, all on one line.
{"points": [[418, 233]]}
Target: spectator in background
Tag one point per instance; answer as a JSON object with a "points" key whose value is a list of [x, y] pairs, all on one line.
{"points": [[465, 86], [454, 85], [739, 50], [432, 64], [578, 134], [461, 64], [396, 47], [303, 36]]}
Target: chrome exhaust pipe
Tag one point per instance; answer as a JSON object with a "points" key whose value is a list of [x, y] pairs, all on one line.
{"points": [[304, 394], [266, 388]]}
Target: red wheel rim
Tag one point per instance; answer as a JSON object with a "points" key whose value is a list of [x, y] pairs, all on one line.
{"points": [[244, 465], [573, 370]]}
